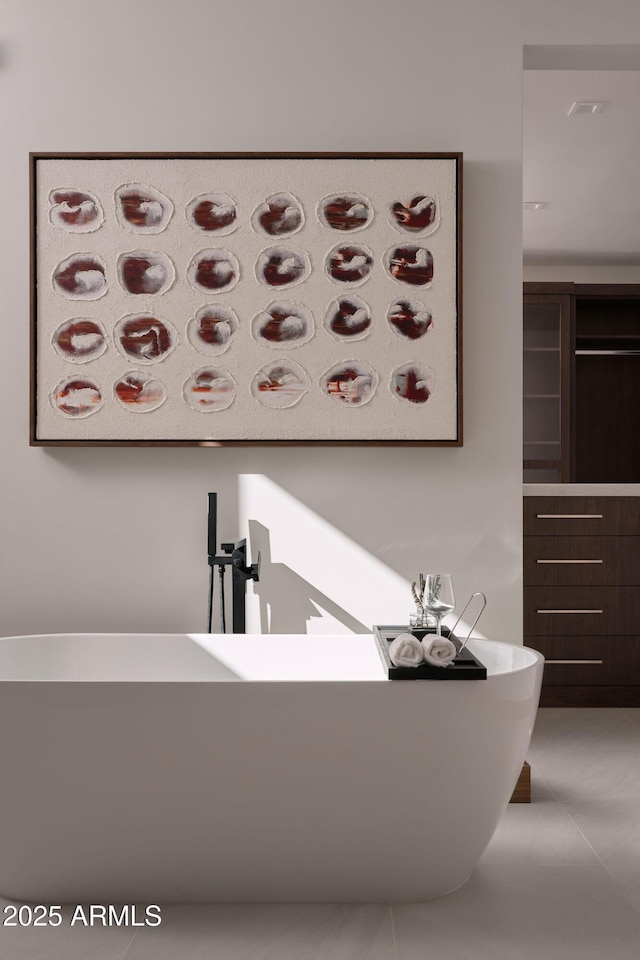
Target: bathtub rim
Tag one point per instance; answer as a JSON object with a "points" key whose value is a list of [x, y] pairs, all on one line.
{"points": [[531, 661]]}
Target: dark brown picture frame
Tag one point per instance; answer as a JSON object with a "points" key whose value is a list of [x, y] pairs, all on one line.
{"points": [[97, 370]]}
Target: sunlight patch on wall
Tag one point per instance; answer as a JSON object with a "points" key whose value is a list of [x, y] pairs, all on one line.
{"points": [[314, 579]]}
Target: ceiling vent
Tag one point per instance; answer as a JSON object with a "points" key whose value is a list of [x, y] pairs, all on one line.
{"points": [[587, 108], [533, 205]]}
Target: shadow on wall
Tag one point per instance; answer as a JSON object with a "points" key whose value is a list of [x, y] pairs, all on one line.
{"points": [[313, 578], [287, 601]]}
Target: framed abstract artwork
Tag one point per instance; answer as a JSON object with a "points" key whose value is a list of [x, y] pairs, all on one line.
{"points": [[218, 299]]}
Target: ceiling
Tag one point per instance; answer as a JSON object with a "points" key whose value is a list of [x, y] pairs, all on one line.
{"points": [[586, 169]]}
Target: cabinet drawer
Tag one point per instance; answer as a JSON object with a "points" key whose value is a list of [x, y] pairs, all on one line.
{"points": [[582, 561], [575, 611], [582, 661], [581, 516]]}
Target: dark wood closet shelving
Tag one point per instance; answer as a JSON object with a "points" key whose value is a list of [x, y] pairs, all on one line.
{"points": [[581, 389], [582, 554]]}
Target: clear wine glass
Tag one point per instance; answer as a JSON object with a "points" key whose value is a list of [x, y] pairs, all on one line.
{"points": [[438, 597]]}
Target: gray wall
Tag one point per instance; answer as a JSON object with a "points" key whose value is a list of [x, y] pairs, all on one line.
{"points": [[114, 539]]}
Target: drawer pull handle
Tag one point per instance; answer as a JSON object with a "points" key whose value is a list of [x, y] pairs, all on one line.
{"points": [[569, 516], [569, 561], [599, 662], [569, 611]]}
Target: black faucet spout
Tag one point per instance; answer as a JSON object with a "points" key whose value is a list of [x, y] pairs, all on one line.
{"points": [[233, 554]]}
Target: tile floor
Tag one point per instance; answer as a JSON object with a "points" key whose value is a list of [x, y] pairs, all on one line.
{"points": [[560, 880]]}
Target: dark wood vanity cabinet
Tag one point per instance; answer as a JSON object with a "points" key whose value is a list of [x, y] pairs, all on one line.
{"points": [[582, 597]]}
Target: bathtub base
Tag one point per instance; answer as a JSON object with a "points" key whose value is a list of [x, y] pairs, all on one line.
{"points": [[522, 790]]}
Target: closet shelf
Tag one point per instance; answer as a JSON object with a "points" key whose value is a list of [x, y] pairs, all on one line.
{"points": [[607, 336], [542, 464]]}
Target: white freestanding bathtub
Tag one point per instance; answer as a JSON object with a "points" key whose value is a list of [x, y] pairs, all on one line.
{"points": [[157, 768]]}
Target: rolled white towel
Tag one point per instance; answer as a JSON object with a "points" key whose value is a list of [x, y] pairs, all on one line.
{"points": [[438, 651], [406, 651]]}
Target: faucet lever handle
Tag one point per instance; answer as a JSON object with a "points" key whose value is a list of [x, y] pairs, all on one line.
{"points": [[239, 561], [254, 569]]}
